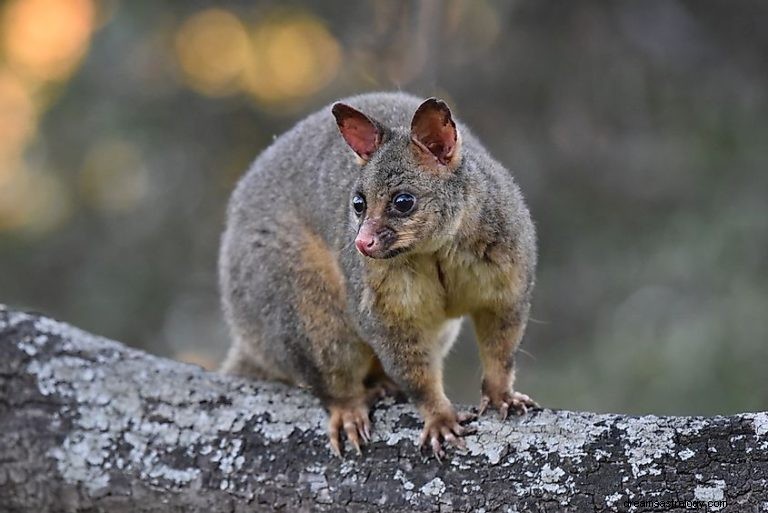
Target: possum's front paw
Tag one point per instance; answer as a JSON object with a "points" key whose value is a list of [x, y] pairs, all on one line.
{"points": [[445, 427], [519, 403], [354, 420]]}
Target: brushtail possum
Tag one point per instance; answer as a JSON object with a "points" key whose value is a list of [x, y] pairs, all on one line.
{"points": [[354, 246]]}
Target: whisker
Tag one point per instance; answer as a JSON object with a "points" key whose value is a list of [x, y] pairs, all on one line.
{"points": [[526, 353]]}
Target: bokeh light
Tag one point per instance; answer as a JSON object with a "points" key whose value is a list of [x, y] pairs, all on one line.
{"points": [[17, 122], [212, 48], [45, 39], [292, 58], [284, 57], [33, 201], [43, 42]]}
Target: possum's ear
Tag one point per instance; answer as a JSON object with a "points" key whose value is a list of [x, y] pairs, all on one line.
{"points": [[434, 134], [361, 132]]}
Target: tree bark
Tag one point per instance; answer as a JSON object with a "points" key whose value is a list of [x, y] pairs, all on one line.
{"points": [[87, 424]]}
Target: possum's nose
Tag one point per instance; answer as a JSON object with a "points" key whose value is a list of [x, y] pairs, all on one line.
{"points": [[365, 245], [368, 241]]}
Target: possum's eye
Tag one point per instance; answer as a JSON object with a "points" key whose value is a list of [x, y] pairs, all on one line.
{"points": [[404, 202], [358, 204]]}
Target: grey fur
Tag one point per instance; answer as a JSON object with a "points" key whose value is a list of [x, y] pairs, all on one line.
{"points": [[303, 183]]}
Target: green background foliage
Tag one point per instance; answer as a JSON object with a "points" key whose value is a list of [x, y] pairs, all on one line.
{"points": [[637, 131]]}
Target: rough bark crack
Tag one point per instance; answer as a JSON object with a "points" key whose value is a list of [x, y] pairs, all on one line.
{"points": [[87, 424]]}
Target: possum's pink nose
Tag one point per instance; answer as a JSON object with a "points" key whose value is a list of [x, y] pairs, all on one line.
{"points": [[367, 242], [365, 246]]}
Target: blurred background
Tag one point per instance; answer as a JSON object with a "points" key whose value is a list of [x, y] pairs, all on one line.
{"points": [[637, 130]]}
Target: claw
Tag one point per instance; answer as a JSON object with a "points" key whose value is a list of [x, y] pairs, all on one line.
{"points": [[335, 445], [437, 449], [356, 445], [365, 431], [356, 424], [448, 435], [350, 427], [484, 402], [519, 403], [333, 436], [454, 436], [504, 410], [443, 429], [423, 438]]}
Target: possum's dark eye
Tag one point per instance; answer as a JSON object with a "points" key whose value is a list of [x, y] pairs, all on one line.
{"points": [[404, 202], [358, 204]]}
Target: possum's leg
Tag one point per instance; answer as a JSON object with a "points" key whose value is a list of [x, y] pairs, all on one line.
{"points": [[341, 359], [285, 301], [415, 362], [498, 336]]}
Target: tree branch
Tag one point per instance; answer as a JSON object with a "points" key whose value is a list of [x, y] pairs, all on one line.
{"points": [[87, 424]]}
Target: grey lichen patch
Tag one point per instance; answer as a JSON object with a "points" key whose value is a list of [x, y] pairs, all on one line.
{"points": [[296, 412], [98, 346], [314, 478], [31, 345], [713, 494], [435, 487], [691, 426], [552, 480], [229, 455], [760, 423], [407, 484], [81, 458], [537, 435], [174, 475], [387, 426], [646, 439], [612, 499], [14, 318]]}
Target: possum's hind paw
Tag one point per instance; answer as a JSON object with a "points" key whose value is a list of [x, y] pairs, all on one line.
{"points": [[353, 420]]}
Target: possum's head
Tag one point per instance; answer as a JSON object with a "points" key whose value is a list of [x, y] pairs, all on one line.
{"points": [[410, 193]]}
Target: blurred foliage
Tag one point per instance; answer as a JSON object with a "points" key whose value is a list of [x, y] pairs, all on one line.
{"points": [[637, 130]]}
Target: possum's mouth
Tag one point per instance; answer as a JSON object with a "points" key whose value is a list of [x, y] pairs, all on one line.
{"points": [[389, 253], [385, 247], [382, 254], [380, 242]]}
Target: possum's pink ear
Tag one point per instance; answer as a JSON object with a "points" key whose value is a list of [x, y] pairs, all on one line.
{"points": [[360, 132], [433, 132]]}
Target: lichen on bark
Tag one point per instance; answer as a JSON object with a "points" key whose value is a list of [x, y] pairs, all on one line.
{"points": [[87, 424]]}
